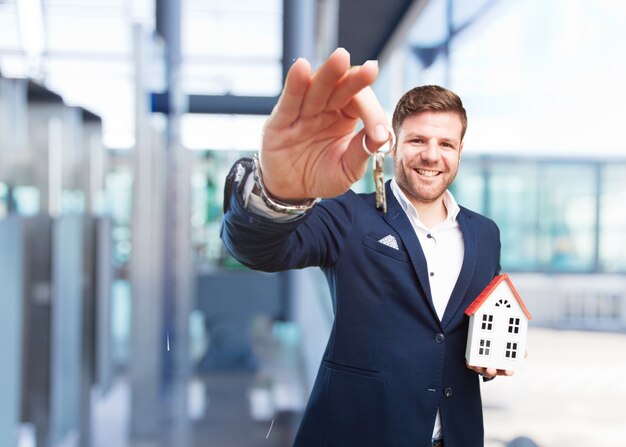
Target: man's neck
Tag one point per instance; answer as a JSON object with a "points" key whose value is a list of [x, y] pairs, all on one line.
{"points": [[430, 214]]}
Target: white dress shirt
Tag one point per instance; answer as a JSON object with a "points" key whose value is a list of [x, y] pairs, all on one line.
{"points": [[444, 250]]}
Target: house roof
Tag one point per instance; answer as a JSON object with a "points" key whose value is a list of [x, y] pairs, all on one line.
{"points": [[479, 301]]}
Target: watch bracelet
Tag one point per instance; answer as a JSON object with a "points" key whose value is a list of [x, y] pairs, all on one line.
{"points": [[273, 203]]}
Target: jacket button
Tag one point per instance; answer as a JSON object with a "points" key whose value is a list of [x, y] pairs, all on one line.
{"points": [[439, 338], [447, 391]]}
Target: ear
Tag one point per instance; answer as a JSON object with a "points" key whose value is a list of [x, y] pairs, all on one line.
{"points": [[392, 150], [461, 149], [393, 144]]}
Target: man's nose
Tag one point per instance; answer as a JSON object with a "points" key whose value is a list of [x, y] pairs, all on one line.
{"points": [[431, 151]]}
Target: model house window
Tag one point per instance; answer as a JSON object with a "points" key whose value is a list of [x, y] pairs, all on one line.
{"points": [[503, 302], [487, 323], [485, 347], [511, 350], [513, 325]]}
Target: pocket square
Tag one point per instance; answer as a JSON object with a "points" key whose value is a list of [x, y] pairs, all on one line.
{"points": [[390, 241]]}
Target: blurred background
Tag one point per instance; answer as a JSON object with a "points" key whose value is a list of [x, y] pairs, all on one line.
{"points": [[124, 323]]}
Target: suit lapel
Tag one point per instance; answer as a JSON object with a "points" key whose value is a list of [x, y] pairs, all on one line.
{"points": [[470, 258], [397, 218]]}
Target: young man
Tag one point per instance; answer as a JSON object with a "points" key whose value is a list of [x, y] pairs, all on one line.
{"points": [[393, 373]]}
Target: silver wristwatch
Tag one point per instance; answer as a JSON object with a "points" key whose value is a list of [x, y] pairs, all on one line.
{"points": [[275, 204]]}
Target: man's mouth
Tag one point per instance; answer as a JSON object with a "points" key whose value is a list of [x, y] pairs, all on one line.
{"points": [[427, 173]]}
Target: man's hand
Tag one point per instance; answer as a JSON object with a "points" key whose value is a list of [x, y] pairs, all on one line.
{"points": [[490, 373], [310, 148]]}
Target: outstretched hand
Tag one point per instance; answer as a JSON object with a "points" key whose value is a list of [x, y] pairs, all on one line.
{"points": [[310, 147]]}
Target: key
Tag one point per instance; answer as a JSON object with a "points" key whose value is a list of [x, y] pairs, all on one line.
{"points": [[379, 180], [378, 165]]}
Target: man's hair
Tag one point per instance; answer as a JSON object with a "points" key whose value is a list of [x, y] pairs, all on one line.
{"points": [[428, 98]]}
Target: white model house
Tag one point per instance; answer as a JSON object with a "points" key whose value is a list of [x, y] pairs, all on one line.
{"points": [[498, 326]]}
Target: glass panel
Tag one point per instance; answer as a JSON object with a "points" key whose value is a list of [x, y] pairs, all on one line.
{"points": [[11, 330], [222, 132], [469, 187], [207, 192], [119, 187], [218, 57], [9, 31], [27, 200], [567, 217], [222, 76], [512, 203], [517, 67], [431, 28], [79, 34], [4, 200], [464, 11], [613, 219]]}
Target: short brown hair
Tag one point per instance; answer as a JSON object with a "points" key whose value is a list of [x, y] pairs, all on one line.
{"points": [[428, 98]]}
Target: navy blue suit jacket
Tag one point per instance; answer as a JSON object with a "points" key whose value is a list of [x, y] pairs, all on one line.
{"points": [[390, 363]]}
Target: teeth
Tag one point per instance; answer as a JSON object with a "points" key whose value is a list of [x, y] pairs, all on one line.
{"points": [[427, 173]]}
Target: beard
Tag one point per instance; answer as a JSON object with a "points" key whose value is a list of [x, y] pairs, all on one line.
{"points": [[420, 188]]}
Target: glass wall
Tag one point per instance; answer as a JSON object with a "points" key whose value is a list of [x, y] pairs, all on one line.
{"points": [[561, 216], [567, 217], [612, 234]]}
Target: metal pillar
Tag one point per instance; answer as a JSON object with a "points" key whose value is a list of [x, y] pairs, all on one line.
{"points": [[299, 26], [298, 31], [177, 268], [145, 361]]}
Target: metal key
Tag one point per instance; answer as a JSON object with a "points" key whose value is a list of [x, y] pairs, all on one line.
{"points": [[379, 181]]}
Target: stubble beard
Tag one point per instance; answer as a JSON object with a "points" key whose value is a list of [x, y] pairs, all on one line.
{"points": [[414, 192]]}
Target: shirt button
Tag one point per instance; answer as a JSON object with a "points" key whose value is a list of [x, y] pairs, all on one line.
{"points": [[439, 338], [447, 391], [432, 273]]}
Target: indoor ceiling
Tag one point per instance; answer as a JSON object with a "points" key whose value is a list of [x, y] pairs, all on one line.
{"points": [[365, 26]]}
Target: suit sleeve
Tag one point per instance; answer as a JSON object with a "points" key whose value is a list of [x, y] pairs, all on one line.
{"points": [[313, 239]]}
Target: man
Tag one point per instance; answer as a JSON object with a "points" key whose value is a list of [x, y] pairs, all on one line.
{"points": [[393, 373]]}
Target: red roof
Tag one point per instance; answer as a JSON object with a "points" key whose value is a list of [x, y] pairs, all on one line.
{"points": [[471, 310]]}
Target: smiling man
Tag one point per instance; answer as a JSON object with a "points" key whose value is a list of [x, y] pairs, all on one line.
{"points": [[393, 373]]}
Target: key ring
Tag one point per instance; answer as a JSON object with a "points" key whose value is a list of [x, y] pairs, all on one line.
{"points": [[391, 140]]}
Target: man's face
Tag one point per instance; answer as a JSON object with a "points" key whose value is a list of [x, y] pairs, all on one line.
{"points": [[427, 153]]}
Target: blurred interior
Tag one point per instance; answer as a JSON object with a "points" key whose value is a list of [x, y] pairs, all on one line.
{"points": [[125, 323]]}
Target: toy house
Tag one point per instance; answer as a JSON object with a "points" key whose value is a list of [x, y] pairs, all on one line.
{"points": [[498, 326]]}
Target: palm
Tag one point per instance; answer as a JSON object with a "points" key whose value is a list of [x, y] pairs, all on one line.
{"points": [[310, 148], [308, 156]]}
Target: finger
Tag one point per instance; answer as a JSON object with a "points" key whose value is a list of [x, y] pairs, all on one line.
{"points": [[353, 82], [324, 82], [365, 105], [287, 109]]}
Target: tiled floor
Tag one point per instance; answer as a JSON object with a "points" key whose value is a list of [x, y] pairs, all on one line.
{"points": [[227, 420], [571, 391]]}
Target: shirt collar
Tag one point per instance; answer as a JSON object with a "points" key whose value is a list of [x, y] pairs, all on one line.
{"points": [[448, 200]]}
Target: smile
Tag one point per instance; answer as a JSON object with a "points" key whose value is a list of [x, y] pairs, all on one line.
{"points": [[426, 173]]}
